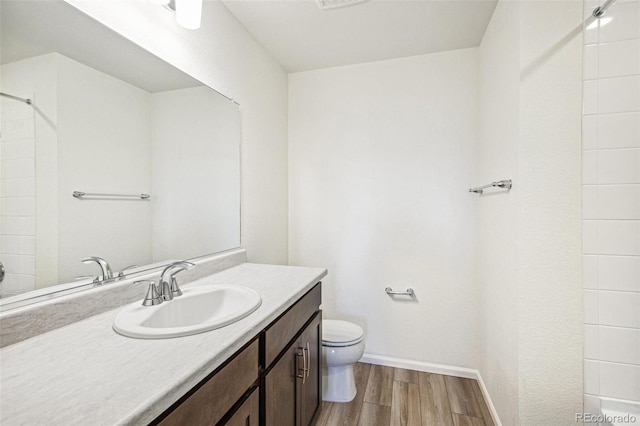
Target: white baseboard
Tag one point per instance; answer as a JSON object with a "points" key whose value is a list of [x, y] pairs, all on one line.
{"points": [[448, 370], [487, 398], [427, 367]]}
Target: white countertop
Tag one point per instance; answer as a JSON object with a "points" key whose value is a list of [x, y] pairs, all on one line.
{"points": [[86, 373]]}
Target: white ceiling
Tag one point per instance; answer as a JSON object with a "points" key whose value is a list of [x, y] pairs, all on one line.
{"points": [[302, 37]]}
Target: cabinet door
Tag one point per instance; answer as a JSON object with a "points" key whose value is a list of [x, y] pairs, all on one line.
{"points": [[311, 390], [293, 386], [249, 412], [281, 389]]}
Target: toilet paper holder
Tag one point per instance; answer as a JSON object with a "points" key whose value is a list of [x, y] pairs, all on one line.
{"points": [[391, 292]]}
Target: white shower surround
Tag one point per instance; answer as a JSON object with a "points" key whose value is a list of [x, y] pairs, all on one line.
{"points": [[18, 202], [611, 210]]}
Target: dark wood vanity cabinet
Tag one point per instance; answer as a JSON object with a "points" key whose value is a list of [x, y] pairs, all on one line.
{"points": [[309, 398], [292, 387], [275, 380], [292, 381], [248, 414], [209, 401]]}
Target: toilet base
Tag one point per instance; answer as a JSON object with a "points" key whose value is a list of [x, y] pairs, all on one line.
{"points": [[338, 383]]}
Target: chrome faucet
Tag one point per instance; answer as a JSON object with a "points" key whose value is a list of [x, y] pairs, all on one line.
{"points": [[107, 274], [168, 285]]}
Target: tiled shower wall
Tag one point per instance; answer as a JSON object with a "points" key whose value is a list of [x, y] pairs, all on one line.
{"points": [[17, 197], [611, 204]]}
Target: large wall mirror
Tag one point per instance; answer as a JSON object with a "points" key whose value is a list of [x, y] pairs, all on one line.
{"points": [[112, 121]]}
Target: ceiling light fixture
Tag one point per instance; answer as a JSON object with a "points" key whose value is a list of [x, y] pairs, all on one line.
{"points": [[188, 12]]}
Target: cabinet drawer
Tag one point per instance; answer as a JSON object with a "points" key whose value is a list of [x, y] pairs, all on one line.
{"points": [[248, 413], [216, 395], [287, 326]]}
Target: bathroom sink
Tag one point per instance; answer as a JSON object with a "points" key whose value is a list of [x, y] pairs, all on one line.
{"points": [[199, 309]]}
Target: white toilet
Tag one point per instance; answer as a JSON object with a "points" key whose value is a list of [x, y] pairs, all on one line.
{"points": [[342, 346]]}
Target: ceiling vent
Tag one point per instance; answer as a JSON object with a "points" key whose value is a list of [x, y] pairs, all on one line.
{"points": [[335, 4]]}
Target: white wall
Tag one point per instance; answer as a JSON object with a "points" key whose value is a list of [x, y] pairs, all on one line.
{"points": [[549, 235], [380, 162], [195, 157], [529, 240], [104, 123], [497, 212], [223, 55], [611, 206]]}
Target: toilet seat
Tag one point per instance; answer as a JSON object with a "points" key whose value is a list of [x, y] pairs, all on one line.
{"points": [[337, 333]]}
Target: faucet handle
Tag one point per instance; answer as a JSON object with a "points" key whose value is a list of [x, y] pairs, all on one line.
{"points": [[179, 267], [153, 295], [121, 273], [175, 288]]}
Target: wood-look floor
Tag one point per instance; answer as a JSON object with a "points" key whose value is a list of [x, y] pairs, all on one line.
{"points": [[390, 396]]}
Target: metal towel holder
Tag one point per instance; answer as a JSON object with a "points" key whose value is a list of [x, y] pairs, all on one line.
{"points": [[81, 194], [391, 292], [506, 184]]}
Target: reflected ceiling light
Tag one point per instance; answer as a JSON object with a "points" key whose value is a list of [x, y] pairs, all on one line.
{"points": [[188, 12], [602, 21]]}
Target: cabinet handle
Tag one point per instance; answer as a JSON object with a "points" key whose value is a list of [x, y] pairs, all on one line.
{"points": [[304, 363], [309, 359]]}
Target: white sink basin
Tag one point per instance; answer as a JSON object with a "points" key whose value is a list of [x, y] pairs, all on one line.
{"points": [[198, 310]]}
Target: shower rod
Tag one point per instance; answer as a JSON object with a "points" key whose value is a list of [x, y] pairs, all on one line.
{"points": [[25, 100], [599, 11]]}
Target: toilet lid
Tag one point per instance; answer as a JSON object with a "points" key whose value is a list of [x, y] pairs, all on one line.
{"points": [[337, 332]]}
